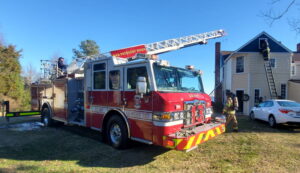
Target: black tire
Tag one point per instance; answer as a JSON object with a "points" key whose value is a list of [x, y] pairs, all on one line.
{"points": [[252, 116], [116, 132], [46, 118], [272, 121]]}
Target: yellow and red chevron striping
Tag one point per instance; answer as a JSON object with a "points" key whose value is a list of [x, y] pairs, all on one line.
{"points": [[185, 143]]}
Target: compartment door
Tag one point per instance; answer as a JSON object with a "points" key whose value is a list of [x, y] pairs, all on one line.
{"points": [[60, 99]]}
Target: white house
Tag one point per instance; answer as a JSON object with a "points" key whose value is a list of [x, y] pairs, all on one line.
{"points": [[243, 72]]}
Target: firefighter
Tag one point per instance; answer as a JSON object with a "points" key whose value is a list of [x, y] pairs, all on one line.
{"points": [[61, 67], [60, 63], [265, 50], [230, 107]]}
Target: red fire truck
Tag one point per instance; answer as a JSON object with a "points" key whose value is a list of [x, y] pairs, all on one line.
{"points": [[132, 95]]}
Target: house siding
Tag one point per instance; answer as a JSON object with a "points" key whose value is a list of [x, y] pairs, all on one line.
{"points": [[254, 75], [297, 71], [293, 91], [258, 75], [240, 81], [228, 75]]}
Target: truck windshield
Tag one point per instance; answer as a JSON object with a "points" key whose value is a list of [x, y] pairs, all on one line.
{"points": [[172, 79]]}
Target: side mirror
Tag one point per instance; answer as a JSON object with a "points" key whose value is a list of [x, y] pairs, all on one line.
{"points": [[141, 86]]}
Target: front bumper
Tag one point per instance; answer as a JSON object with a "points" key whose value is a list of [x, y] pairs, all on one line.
{"points": [[187, 140]]}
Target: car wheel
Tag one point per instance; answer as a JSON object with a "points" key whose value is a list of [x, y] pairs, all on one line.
{"points": [[46, 118], [116, 132], [272, 121], [252, 116]]}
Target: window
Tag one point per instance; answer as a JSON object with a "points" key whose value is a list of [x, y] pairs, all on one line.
{"points": [[273, 62], [171, 79], [269, 104], [283, 91], [99, 76], [288, 104], [114, 80], [133, 74], [263, 43], [256, 97], [293, 70], [262, 104], [240, 64]]}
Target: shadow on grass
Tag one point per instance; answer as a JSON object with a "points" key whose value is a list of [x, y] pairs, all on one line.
{"points": [[72, 143], [86, 148], [259, 126], [136, 154]]}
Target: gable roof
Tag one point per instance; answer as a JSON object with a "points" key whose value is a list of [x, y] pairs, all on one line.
{"points": [[253, 44]]}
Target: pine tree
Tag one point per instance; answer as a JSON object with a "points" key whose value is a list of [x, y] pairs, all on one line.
{"points": [[86, 48], [12, 84]]}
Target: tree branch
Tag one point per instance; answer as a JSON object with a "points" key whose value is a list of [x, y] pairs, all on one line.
{"points": [[273, 17]]}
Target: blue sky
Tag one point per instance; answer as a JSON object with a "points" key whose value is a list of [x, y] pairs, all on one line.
{"points": [[54, 27]]}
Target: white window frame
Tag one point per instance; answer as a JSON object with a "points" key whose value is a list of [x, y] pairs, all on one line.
{"points": [[243, 64], [293, 70], [275, 62], [259, 47], [285, 90], [259, 95]]}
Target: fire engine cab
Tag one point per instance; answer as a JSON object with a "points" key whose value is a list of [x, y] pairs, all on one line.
{"points": [[132, 95]]}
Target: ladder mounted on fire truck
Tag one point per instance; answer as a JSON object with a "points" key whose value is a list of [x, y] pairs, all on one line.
{"points": [[146, 50], [167, 45], [182, 42]]}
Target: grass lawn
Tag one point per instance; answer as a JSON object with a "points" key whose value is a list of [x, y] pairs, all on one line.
{"points": [[256, 148]]}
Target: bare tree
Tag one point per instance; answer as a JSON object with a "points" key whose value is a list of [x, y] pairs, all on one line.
{"points": [[272, 15], [30, 75]]}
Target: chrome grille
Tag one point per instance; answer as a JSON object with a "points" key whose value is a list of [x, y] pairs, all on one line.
{"points": [[193, 111]]}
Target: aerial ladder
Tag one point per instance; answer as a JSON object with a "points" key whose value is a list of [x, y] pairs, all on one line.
{"points": [[167, 45], [182, 42]]}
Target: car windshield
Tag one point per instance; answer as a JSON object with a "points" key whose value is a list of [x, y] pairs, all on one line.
{"points": [[172, 79], [288, 104]]}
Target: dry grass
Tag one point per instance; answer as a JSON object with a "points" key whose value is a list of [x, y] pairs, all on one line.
{"points": [[257, 148]]}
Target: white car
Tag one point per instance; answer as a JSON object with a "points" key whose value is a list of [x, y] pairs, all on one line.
{"points": [[277, 112]]}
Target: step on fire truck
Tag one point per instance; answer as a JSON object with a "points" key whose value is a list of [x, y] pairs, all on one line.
{"points": [[132, 95]]}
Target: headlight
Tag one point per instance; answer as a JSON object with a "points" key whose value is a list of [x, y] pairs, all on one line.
{"points": [[168, 116], [209, 111], [162, 116]]}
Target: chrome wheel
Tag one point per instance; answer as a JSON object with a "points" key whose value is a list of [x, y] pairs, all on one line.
{"points": [[115, 134], [46, 118]]}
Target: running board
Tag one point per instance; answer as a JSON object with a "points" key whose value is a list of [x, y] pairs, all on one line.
{"points": [[141, 140], [76, 123]]}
